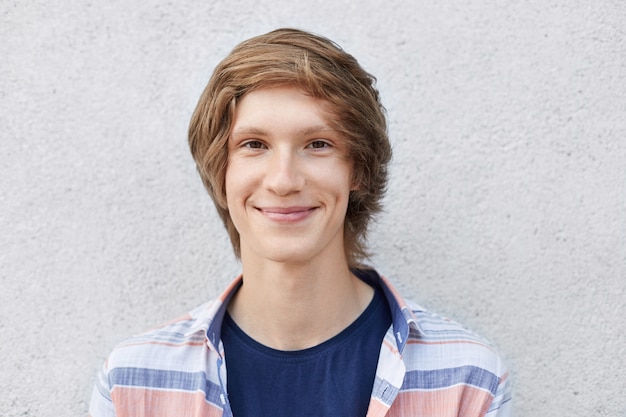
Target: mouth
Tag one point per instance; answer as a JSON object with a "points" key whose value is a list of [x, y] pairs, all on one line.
{"points": [[286, 214]]}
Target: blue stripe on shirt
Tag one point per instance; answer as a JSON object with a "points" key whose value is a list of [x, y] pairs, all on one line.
{"points": [[161, 379], [440, 378]]}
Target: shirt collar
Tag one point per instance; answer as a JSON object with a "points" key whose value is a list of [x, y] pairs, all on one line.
{"points": [[403, 319], [208, 317]]}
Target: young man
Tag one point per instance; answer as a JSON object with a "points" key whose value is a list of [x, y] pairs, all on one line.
{"points": [[290, 141]]}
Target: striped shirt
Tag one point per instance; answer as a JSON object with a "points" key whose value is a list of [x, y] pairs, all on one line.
{"points": [[428, 366]]}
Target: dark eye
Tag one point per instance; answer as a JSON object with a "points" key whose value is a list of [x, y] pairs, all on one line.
{"points": [[254, 144], [318, 144]]}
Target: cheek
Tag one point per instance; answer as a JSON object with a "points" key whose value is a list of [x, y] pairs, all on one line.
{"points": [[340, 181], [347, 172], [350, 178], [230, 188], [355, 182], [239, 181]]}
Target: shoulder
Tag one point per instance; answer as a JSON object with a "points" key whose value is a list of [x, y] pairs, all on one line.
{"points": [[163, 346], [436, 328], [443, 356], [452, 350], [171, 360]]}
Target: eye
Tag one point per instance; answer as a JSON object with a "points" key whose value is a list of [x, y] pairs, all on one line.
{"points": [[254, 144], [319, 144]]}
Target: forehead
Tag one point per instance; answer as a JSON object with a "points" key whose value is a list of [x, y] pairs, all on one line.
{"points": [[282, 106]]}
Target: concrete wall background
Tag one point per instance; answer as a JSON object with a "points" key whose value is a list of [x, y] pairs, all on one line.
{"points": [[506, 208]]}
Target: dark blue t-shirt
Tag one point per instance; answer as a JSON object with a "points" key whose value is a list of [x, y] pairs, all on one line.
{"points": [[334, 378]]}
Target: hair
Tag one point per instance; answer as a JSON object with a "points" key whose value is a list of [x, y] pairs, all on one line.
{"points": [[320, 68]]}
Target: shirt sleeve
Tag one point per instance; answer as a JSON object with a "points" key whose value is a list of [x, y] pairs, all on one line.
{"points": [[101, 404]]}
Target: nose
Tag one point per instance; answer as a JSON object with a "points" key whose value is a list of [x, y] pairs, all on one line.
{"points": [[283, 174]]}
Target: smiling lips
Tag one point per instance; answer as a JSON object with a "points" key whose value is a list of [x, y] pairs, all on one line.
{"points": [[286, 214]]}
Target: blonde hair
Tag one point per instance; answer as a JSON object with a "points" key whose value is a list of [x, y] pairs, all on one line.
{"points": [[322, 69]]}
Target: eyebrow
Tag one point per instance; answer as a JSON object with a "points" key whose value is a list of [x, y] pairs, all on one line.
{"points": [[251, 130]]}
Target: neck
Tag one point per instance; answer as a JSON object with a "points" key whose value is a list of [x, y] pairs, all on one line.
{"points": [[293, 307]]}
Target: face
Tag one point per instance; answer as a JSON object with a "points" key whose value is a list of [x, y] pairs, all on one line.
{"points": [[288, 177]]}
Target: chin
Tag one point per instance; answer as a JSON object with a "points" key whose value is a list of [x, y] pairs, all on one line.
{"points": [[286, 253], [288, 257]]}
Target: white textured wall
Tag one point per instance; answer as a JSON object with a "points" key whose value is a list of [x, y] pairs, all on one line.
{"points": [[506, 208]]}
